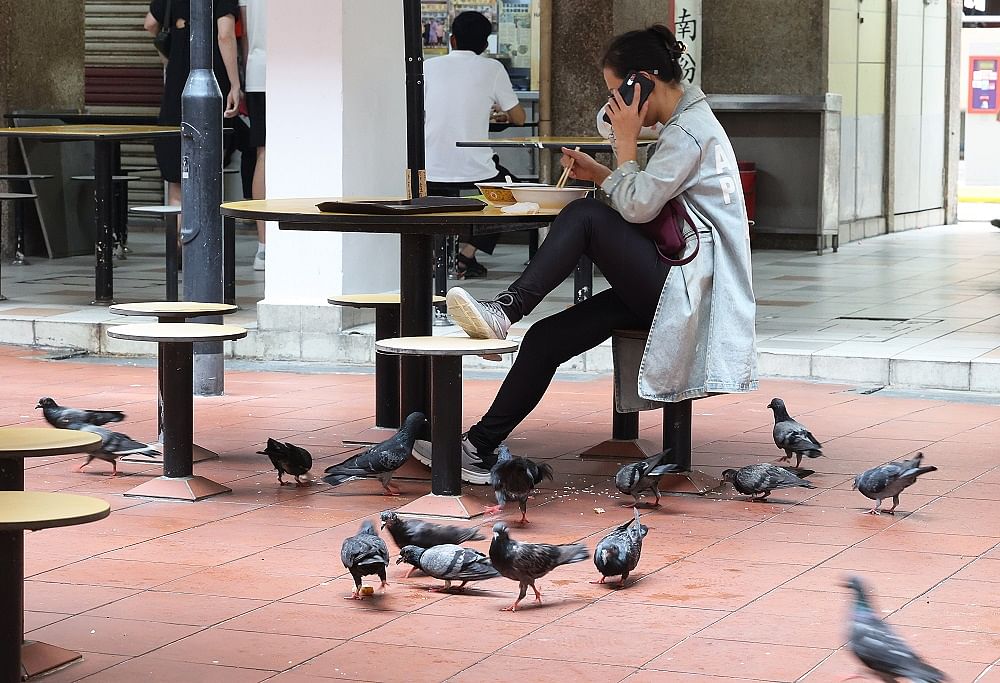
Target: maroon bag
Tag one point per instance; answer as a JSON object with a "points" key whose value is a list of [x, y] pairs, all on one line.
{"points": [[667, 233]]}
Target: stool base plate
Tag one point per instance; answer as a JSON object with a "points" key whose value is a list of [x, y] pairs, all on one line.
{"points": [[198, 453], [443, 507], [178, 488], [371, 436], [692, 481], [39, 658], [620, 450]]}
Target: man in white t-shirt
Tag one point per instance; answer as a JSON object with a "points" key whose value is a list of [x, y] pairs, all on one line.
{"points": [[254, 16], [461, 90]]}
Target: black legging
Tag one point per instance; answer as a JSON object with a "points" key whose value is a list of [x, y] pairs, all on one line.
{"points": [[629, 261]]}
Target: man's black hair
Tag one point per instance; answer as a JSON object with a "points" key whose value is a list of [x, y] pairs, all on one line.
{"points": [[471, 30]]}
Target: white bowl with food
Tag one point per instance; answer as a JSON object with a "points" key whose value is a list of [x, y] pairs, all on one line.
{"points": [[550, 197], [500, 194]]}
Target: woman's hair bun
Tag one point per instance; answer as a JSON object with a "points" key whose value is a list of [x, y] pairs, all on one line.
{"points": [[670, 42]]}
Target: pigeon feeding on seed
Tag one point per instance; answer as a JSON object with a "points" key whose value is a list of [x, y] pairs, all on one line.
{"points": [[761, 479], [880, 648], [113, 446], [288, 459], [889, 480], [449, 563], [638, 477], [618, 553], [514, 478], [365, 554], [527, 562], [382, 459], [62, 417], [425, 534], [791, 436]]}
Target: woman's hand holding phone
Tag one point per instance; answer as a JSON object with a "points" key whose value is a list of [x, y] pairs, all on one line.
{"points": [[626, 119], [584, 167]]}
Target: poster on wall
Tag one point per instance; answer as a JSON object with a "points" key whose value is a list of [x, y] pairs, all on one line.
{"points": [[687, 29], [435, 24], [514, 33], [983, 84]]}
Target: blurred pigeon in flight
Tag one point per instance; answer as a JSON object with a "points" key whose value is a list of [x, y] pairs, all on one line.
{"points": [[113, 446], [62, 417]]}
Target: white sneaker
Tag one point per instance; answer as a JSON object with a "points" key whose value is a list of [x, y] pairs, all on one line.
{"points": [[258, 261], [479, 319], [475, 470]]}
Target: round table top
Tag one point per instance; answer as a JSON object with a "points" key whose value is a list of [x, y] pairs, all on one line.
{"points": [[91, 131], [177, 332], [173, 309], [156, 208], [34, 510], [372, 300], [445, 346], [11, 196], [303, 214], [36, 442]]}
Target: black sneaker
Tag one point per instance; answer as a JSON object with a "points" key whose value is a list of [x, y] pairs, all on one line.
{"points": [[468, 268], [475, 468], [995, 222]]}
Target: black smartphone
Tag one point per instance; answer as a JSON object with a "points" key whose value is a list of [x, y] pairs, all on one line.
{"points": [[627, 90]]}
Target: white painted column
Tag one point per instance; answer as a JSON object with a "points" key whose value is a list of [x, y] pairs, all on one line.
{"points": [[335, 127]]}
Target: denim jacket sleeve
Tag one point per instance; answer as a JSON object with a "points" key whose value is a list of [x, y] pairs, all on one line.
{"points": [[640, 194]]}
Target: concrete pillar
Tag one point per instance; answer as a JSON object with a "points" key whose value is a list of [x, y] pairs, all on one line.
{"points": [[336, 127], [37, 73]]}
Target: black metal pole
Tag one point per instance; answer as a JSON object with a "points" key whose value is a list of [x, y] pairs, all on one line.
{"points": [[677, 432], [104, 293], [229, 259], [446, 439], [413, 51], [386, 370], [11, 604], [171, 247], [11, 474], [416, 252], [201, 188], [178, 408]]}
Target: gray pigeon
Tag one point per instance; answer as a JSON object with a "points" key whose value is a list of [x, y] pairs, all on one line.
{"points": [[365, 554], [289, 459], [426, 534], [791, 436], [113, 446], [762, 478], [879, 648], [61, 417], [382, 459], [618, 553], [450, 563], [514, 478], [526, 562], [638, 477], [889, 480]]}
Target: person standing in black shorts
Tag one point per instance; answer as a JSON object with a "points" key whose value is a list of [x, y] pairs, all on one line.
{"points": [[254, 17]]}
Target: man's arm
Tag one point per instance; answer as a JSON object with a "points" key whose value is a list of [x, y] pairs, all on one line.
{"points": [[516, 115], [244, 41], [151, 24], [227, 46]]}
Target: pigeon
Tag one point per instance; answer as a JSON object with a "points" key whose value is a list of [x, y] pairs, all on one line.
{"points": [[638, 477], [514, 478], [113, 446], [618, 553], [61, 417], [792, 437], [426, 534], [288, 458], [382, 459], [526, 562], [365, 554], [762, 478], [889, 480], [880, 648], [449, 562]]}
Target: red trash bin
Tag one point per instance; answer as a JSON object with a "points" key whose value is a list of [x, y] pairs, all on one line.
{"points": [[748, 178]]}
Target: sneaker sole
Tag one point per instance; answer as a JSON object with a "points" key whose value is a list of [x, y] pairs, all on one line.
{"points": [[421, 457], [463, 310], [477, 477]]}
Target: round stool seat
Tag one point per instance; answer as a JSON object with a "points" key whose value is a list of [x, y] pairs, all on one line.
{"points": [[372, 300], [164, 209], [25, 176], [177, 332], [34, 510], [26, 442], [13, 196], [139, 169], [173, 309], [445, 346], [114, 178]]}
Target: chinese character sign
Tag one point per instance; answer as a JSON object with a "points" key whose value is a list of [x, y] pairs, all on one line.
{"points": [[687, 28]]}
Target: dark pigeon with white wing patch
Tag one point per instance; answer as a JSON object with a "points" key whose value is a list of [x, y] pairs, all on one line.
{"points": [[791, 436]]}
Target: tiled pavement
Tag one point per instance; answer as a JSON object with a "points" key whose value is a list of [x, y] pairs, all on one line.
{"points": [[248, 586]]}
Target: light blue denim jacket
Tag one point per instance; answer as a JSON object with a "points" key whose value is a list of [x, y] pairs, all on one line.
{"points": [[702, 340]]}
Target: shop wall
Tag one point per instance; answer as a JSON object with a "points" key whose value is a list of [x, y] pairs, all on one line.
{"points": [[766, 47], [38, 73], [982, 130]]}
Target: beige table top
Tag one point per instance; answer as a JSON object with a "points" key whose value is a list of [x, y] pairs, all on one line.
{"points": [[36, 442], [173, 309], [177, 332], [34, 510], [91, 131], [585, 143], [444, 346], [372, 300]]}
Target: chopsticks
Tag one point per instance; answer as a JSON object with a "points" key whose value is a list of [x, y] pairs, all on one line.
{"points": [[565, 174]]}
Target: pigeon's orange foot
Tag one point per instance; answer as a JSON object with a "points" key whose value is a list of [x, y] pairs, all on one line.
{"points": [[599, 582], [511, 608], [389, 493], [873, 511], [493, 509], [354, 596], [890, 511], [383, 586]]}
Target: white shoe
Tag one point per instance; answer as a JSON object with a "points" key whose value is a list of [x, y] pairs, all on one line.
{"points": [[479, 319], [475, 470], [258, 261]]}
